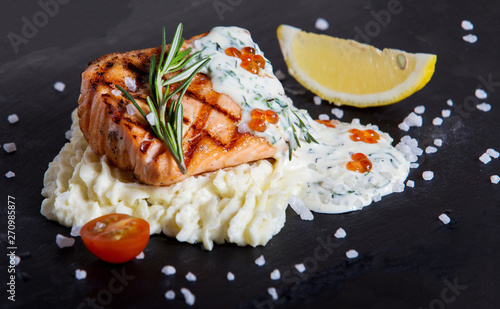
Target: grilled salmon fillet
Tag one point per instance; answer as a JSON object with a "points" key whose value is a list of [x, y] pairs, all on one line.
{"points": [[211, 139]]}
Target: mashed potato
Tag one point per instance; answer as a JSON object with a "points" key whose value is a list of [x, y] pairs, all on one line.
{"points": [[244, 205]]}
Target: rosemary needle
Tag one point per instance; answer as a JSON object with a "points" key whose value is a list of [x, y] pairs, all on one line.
{"points": [[167, 124]]}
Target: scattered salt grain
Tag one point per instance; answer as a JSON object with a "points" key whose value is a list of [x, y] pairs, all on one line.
{"points": [[438, 142], [398, 186], [75, 230], [300, 208], [437, 121], [9, 147], [168, 270], [130, 109], [409, 147], [470, 38], [273, 293], [485, 107], [59, 86], [321, 24], [260, 260], [188, 296], [151, 118], [414, 165], [428, 175], [492, 153], [352, 254], [355, 121], [275, 275], [445, 113], [12, 118], [170, 294], [130, 83], [413, 120], [190, 276], [449, 102], [63, 241], [430, 149], [300, 267], [317, 100], [80, 274], [481, 94], [116, 92], [410, 183], [444, 218], [404, 126], [140, 256], [230, 276], [419, 109], [495, 179], [10, 174], [340, 233], [280, 75], [337, 112], [485, 158], [68, 134], [323, 117], [467, 25]]}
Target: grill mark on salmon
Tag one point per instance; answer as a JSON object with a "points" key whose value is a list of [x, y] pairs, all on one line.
{"points": [[211, 139]]}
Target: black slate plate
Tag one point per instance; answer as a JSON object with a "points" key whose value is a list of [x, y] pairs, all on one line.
{"points": [[408, 258]]}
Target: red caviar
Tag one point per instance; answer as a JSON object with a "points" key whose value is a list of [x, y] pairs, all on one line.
{"points": [[360, 163], [249, 60], [367, 136], [271, 116], [258, 125], [327, 123], [259, 118]]}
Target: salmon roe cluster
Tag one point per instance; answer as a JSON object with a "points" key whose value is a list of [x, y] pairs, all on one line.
{"points": [[259, 118], [327, 123], [367, 136], [360, 163], [249, 60]]}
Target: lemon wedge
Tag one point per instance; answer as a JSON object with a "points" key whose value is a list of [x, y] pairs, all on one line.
{"points": [[347, 72]]}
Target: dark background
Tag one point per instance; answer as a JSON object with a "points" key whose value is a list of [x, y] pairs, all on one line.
{"points": [[408, 258]]}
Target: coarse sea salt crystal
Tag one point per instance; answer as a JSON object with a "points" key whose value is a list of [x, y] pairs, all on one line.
{"points": [[410, 183], [260, 260], [68, 134], [445, 113], [10, 174], [428, 175], [414, 165], [280, 75], [63, 241], [323, 117], [485, 107], [492, 153], [438, 142], [190, 276], [59, 86], [317, 100], [275, 274], [300, 267], [481, 94], [355, 121], [495, 179], [437, 121], [188, 296], [485, 158], [130, 83], [168, 270], [300, 208], [449, 102], [273, 293], [413, 120], [230, 276], [321, 24], [140, 256], [170, 294], [12, 118], [75, 230], [419, 109], [431, 149], [404, 126], [467, 25], [151, 118], [9, 147], [398, 186], [470, 38], [444, 218], [80, 274], [352, 254], [337, 112], [116, 92], [340, 233], [130, 109]]}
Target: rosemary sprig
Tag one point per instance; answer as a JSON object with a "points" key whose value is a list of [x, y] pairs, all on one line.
{"points": [[167, 124]]}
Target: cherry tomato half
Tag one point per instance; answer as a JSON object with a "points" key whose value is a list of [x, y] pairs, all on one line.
{"points": [[116, 238]]}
